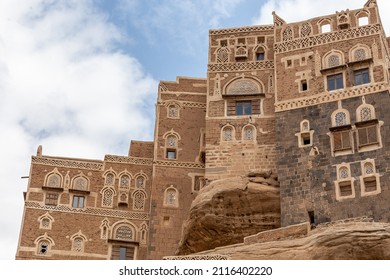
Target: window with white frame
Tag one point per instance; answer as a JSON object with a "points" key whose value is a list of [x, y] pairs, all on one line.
{"points": [[228, 133], [368, 128], [305, 136], [345, 183], [369, 181], [171, 197], [341, 133]]}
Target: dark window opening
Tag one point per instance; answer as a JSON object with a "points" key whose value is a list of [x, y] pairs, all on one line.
{"points": [[304, 85], [361, 77], [289, 63], [335, 82], [260, 56], [306, 139], [243, 108], [311, 217], [223, 43], [171, 154], [202, 157], [78, 201]]}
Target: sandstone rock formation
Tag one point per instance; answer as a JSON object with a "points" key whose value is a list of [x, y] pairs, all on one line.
{"points": [[227, 210], [351, 240]]}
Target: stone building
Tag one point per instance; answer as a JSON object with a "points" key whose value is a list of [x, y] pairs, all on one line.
{"points": [[307, 100]]}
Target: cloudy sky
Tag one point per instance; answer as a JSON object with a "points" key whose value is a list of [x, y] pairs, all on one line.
{"points": [[79, 77]]}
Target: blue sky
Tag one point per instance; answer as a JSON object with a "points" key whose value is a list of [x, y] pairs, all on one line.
{"points": [[80, 77]]}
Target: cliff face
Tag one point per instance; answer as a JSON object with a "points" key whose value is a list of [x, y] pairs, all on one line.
{"points": [[227, 210], [354, 240]]}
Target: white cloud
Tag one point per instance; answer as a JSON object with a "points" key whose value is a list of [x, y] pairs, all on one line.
{"points": [[299, 10], [63, 84]]}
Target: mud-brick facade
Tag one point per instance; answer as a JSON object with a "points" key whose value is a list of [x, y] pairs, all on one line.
{"points": [[122, 207], [240, 120], [308, 100]]}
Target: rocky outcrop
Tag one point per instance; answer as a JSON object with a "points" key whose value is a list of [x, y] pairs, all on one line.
{"points": [[345, 240], [227, 210]]}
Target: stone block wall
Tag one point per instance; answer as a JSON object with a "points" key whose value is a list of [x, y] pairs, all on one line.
{"points": [[307, 179]]}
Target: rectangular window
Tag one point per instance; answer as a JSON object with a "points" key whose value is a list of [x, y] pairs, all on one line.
{"points": [[78, 201], [341, 140], [122, 252], [361, 77], [51, 199], [171, 154], [260, 56], [304, 85], [367, 135], [335, 82], [345, 188], [243, 108]]}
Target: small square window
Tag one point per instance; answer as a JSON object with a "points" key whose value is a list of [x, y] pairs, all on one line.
{"points": [[78, 201], [289, 63], [51, 199], [260, 56], [335, 82], [171, 154], [243, 108]]}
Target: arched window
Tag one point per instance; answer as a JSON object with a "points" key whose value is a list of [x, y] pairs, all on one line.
{"points": [[124, 181], [104, 227], [44, 244], [140, 182], [228, 133], [138, 200], [43, 247], [333, 61], [369, 180], [171, 145], [341, 132], [171, 197], [45, 221], [124, 232], [173, 111], [80, 183], [108, 197], [287, 34], [143, 233], [368, 127], [260, 54], [109, 179], [249, 132], [78, 245], [54, 181], [340, 119], [344, 183], [305, 29], [325, 26]]}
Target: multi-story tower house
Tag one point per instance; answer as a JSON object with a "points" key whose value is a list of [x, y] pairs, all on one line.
{"points": [[88, 209], [332, 116], [240, 120], [124, 207], [178, 169], [308, 100]]}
